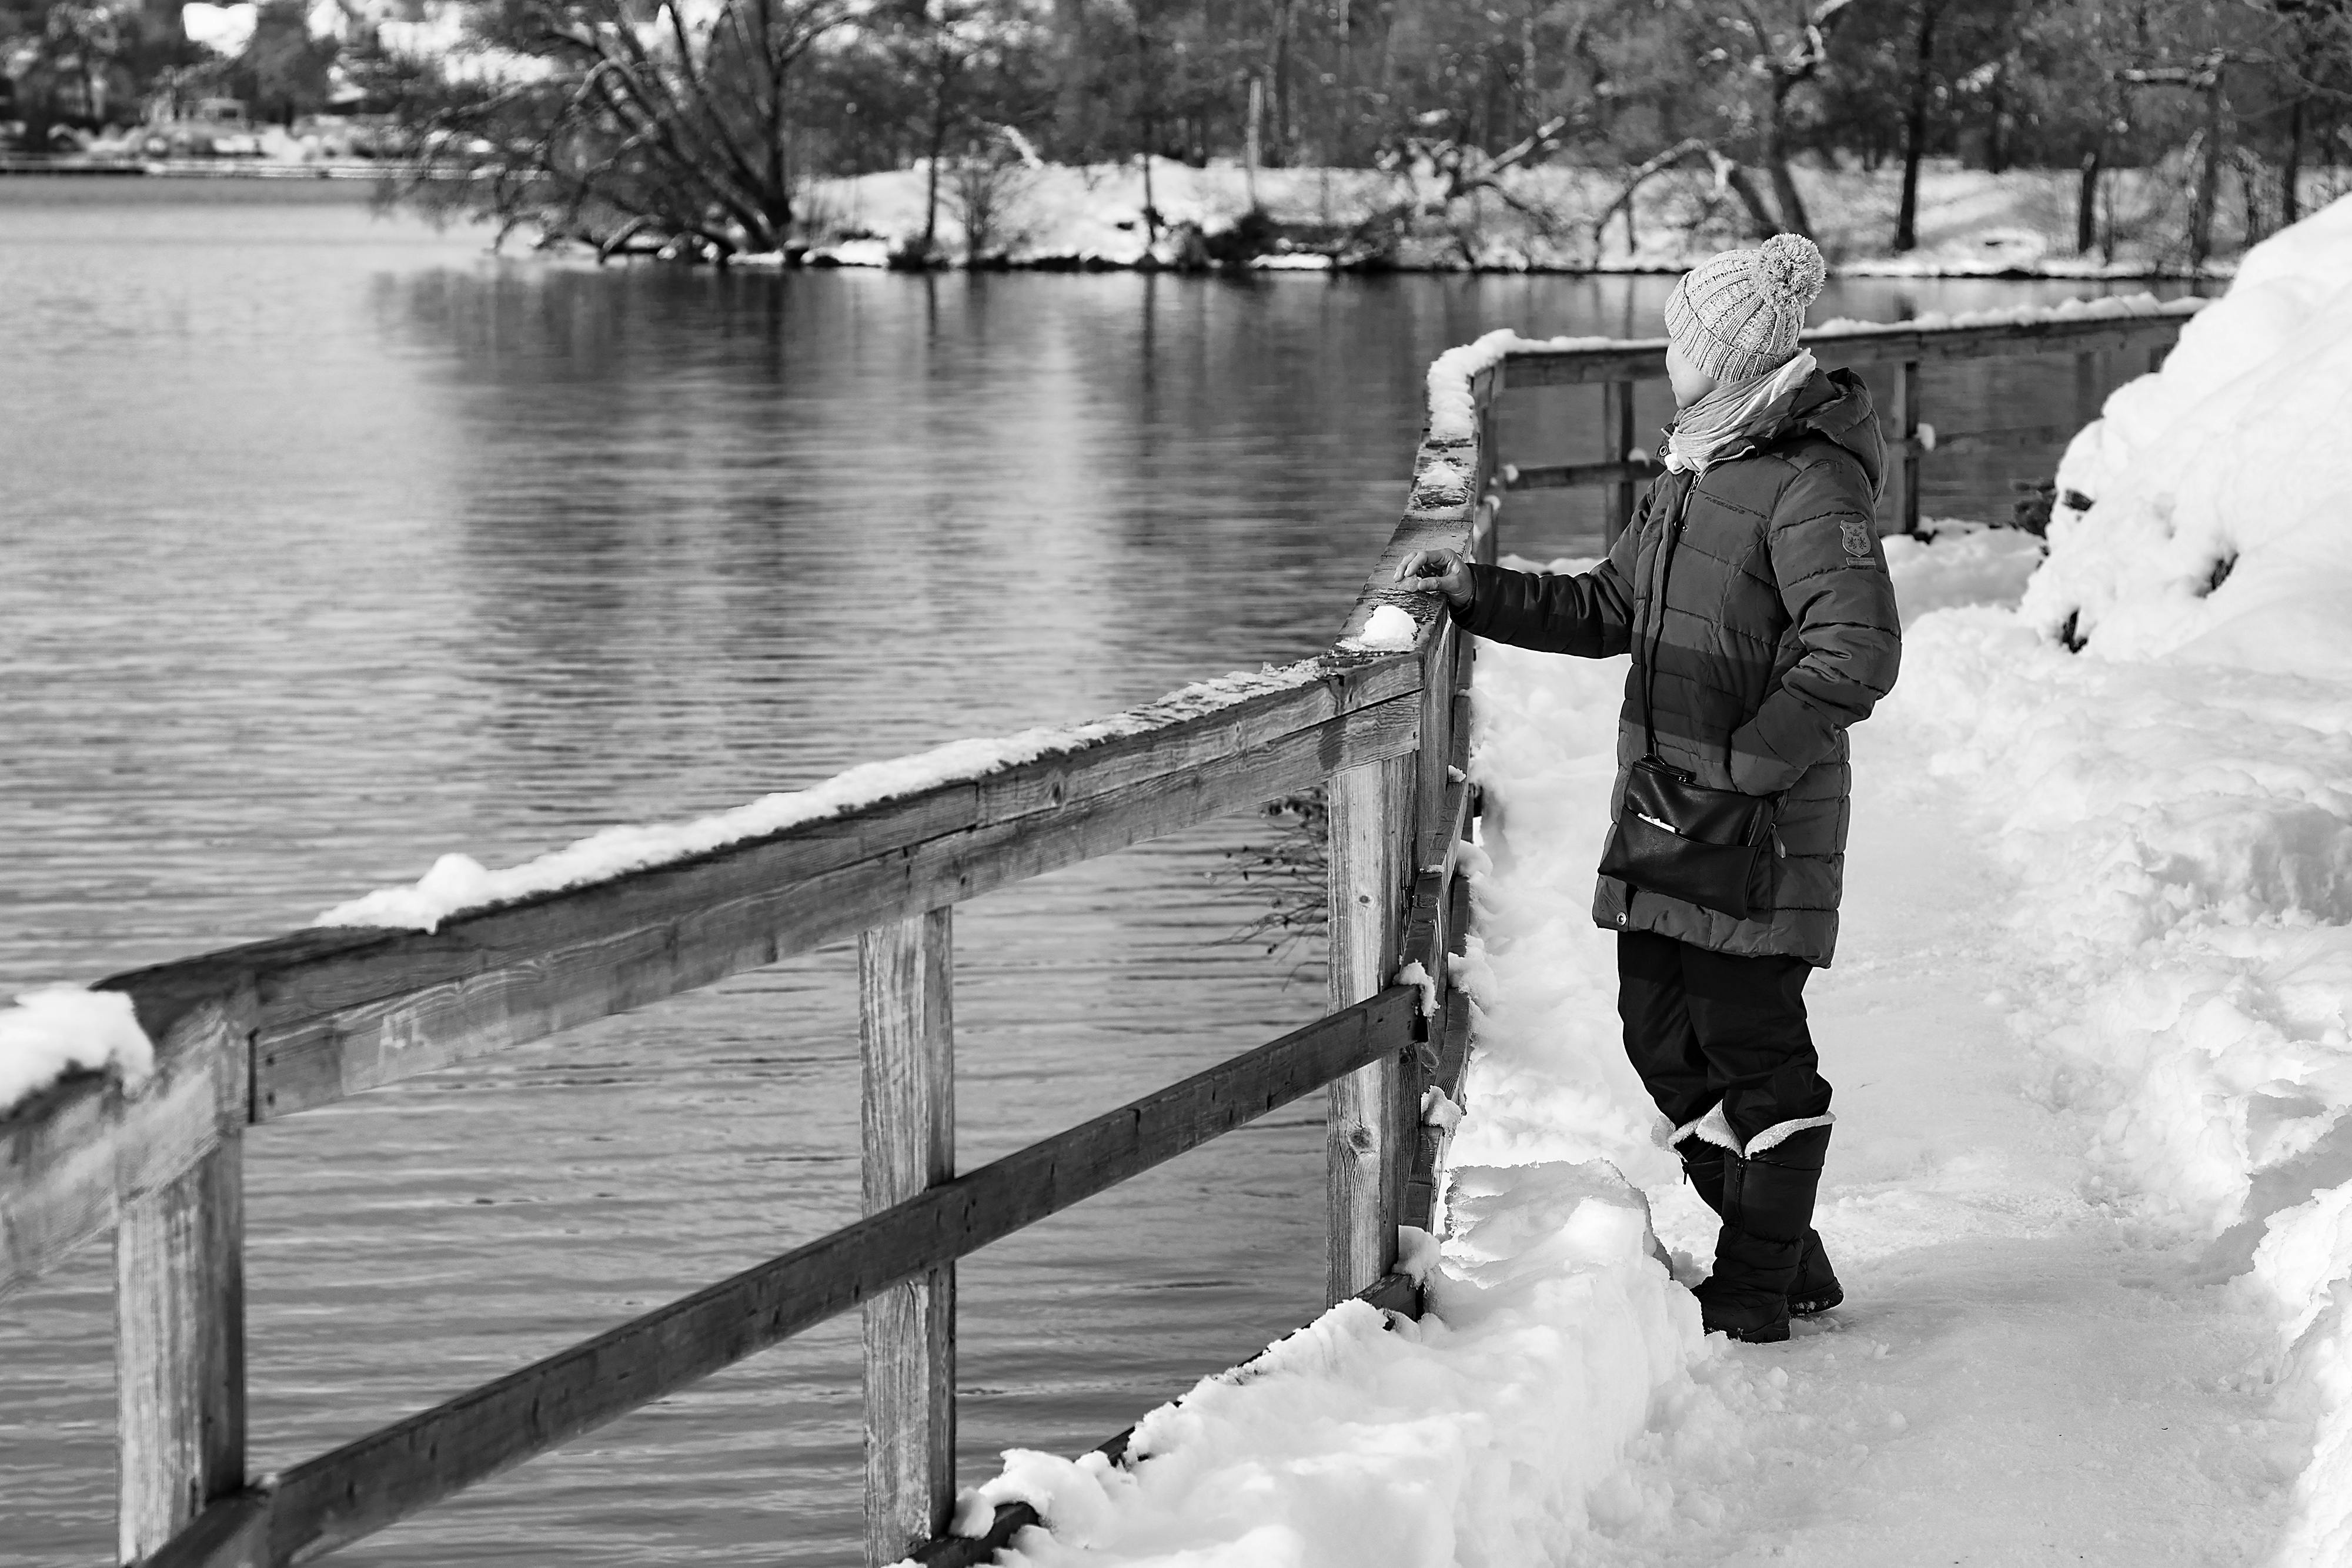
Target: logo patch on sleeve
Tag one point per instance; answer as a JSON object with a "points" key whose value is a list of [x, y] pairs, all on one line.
{"points": [[1857, 541]]}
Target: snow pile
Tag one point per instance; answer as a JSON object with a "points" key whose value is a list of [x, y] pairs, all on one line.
{"points": [[1442, 481], [2218, 488], [1492, 1431], [2177, 802], [2106, 308], [1951, 563], [458, 884], [61, 1029]]}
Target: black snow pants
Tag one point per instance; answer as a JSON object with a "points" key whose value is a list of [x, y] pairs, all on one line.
{"points": [[1704, 1027]]}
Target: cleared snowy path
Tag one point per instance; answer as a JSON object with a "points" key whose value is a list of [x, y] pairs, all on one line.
{"points": [[2020, 1376]]}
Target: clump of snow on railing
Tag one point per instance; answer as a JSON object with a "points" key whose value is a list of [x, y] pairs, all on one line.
{"points": [[59, 1029], [1417, 1253], [1414, 975], [2113, 307], [458, 883], [1439, 1111], [1453, 408], [1442, 481], [1390, 627]]}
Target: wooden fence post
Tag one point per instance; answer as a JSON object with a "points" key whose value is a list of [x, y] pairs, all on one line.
{"points": [[905, 973], [1617, 443], [1906, 433], [179, 1306], [1371, 814], [2086, 388], [179, 1292]]}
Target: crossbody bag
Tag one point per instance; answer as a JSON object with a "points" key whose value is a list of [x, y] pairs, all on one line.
{"points": [[1676, 836]]}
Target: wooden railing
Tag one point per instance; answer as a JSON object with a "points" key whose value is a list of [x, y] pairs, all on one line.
{"points": [[1616, 369], [253, 1034]]}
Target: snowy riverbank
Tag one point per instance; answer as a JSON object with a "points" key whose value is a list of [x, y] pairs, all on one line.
{"points": [[1972, 223], [2093, 1190]]}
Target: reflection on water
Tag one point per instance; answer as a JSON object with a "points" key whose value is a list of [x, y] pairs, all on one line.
{"points": [[332, 546]]}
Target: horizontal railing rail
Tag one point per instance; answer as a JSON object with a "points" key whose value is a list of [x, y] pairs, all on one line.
{"points": [[1618, 366], [256, 1033]]}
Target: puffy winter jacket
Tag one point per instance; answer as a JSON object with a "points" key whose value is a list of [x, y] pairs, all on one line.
{"points": [[1779, 630]]}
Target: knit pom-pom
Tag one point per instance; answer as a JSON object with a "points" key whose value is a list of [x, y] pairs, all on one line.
{"points": [[1790, 271]]}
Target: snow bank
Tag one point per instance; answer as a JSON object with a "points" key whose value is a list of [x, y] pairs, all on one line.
{"points": [[60, 1030], [1492, 1431], [2231, 467], [2176, 801], [458, 884]]}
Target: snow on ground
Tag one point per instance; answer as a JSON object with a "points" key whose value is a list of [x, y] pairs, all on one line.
{"points": [[2091, 1194]]}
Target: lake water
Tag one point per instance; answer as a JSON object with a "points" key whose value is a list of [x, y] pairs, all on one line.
{"points": [[332, 544]]}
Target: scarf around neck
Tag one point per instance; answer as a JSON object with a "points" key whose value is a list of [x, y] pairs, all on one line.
{"points": [[1702, 432]]}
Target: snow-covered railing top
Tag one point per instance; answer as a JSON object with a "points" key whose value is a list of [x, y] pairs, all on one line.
{"points": [[2081, 327], [2073, 327]]}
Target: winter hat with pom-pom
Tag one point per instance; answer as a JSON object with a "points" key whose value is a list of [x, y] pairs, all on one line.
{"points": [[1736, 315]]}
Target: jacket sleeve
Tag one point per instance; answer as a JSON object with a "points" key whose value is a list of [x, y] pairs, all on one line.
{"points": [[1832, 578], [1589, 614]]}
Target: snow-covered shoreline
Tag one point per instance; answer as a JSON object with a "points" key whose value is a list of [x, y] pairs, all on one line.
{"points": [[1327, 221]]}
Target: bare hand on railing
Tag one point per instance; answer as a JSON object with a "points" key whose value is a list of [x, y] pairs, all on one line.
{"points": [[1443, 570]]}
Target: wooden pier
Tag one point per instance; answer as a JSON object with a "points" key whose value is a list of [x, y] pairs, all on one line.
{"points": [[250, 1034]]}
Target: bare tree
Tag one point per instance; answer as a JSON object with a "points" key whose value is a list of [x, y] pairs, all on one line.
{"points": [[605, 122], [1787, 55]]}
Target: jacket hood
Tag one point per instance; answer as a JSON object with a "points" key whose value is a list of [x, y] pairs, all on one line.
{"points": [[1836, 405]]}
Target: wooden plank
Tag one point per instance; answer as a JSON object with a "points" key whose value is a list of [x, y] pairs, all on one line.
{"points": [[907, 1032], [1453, 1039], [1366, 807], [1645, 359], [340, 1012], [1393, 1293], [389, 1474], [1426, 931], [72, 1153], [1617, 446], [1902, 490], [179, 1354], [1575, 476], [1437, 693], [1428, 524], [2006, 439], [1439, 846]]}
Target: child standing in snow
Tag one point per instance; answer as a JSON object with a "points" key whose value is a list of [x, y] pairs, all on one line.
{"points": [[1753, 591]]}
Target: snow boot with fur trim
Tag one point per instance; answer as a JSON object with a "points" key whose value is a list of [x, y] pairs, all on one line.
{"points": [[1815, 1290], [1767, 1209]]}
